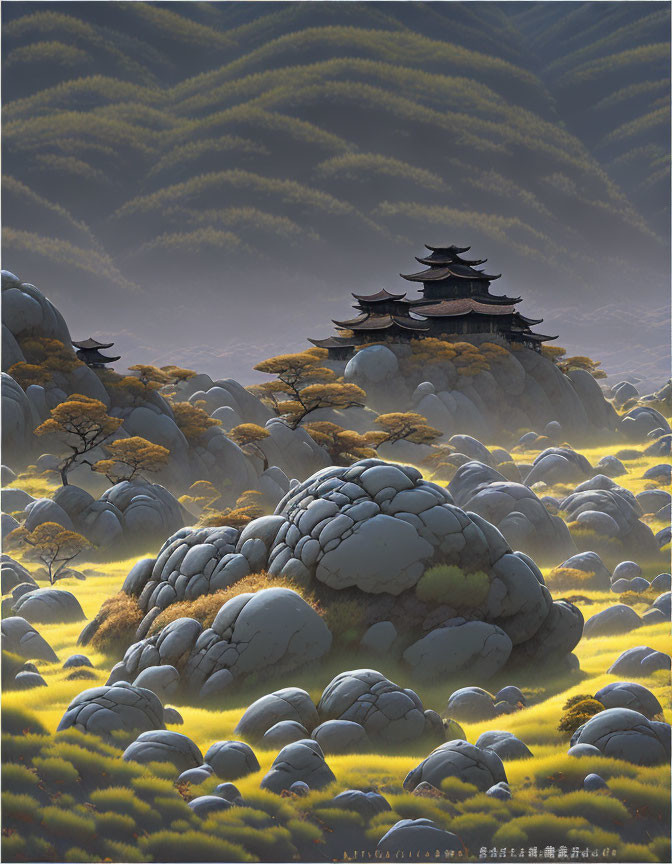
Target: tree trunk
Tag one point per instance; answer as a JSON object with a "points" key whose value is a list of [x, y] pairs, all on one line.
{"points": [[64, 476]]}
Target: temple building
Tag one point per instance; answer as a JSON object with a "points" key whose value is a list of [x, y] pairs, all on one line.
{"points": [[88, 351], [455, 302]]}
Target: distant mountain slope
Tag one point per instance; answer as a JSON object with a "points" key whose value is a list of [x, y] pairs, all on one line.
{"points": [[149, 146]]}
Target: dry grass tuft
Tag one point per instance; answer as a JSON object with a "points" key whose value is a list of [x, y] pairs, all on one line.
{"points": [[119, 618], [206, 607]]}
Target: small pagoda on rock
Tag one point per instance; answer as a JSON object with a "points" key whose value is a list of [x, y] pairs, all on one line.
{"points": [[88, 352], [455, 302]]}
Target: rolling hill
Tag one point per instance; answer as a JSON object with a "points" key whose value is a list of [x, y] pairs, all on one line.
{"points": [[315, 146]]}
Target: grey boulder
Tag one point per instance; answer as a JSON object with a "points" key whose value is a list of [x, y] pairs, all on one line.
{"points": [[231, 760], [292, 703], [119, 707], [49, 606], [20, 637], [626, 694], [624, 734], [164, 746], [367, 697], [614, 619], [339, 736], [410, 837], [505, 744], [301, 761], [458, 759]]}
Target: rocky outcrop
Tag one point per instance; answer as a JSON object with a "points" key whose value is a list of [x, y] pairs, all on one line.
{"points": [[384, 710], [265, 633], [373, 530], [514, 509]]}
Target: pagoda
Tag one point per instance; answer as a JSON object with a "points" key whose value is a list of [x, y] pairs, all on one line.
{"points": [[88, 351], [455, 302]]}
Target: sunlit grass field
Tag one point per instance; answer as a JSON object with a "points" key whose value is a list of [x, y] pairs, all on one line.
{"points": [[547, 789]]}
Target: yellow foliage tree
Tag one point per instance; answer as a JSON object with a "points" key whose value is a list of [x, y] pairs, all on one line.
{"points": [[82, 423], [248, 507], [50, 544], [399, 426], [50, 354], [192, 420], [26, 374], [306, 385], [582, 362], [130, 457], [344, 446], [248, 436]]}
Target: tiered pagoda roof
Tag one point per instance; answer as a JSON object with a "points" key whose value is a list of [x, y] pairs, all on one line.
{"points": [[88, 351], [455, 300]]}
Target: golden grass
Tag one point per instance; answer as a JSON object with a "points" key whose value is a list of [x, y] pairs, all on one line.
{"points": [[535, 780]]}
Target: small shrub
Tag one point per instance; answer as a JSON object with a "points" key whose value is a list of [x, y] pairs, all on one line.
{"points": [[172, 808], [120, 800], [660, 846], [21, 748], [127, 852], [119, 616], [14, 847], [474, 829], [510, 834], [593, 837], [578, 710], [18, 808], [304, 832], [19, 779], [457, 790], [544, 828], [65, 824], [172, 846], [448, 584], [77, 855], [18, 721], [268, 843], [116, 826], [632, 852], [599, 809], [149, 787], [642, 799], [345, 620], [56, 772], [567, 578]]}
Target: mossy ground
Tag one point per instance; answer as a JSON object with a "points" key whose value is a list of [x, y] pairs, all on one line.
{"points": [[537, 782]]}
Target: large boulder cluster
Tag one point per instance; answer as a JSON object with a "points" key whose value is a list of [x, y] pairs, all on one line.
{"points": [[520, 389], [514, 508], [269, 632], [373, 528], [612, 511]]}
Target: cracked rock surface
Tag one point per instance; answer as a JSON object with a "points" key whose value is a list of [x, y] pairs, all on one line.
{"points": [[106, 709], [458, 759]]}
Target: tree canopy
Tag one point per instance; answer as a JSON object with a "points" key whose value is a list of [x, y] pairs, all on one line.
{"points": [[82, 423], [344, 446], [403, 426], [192, 420], [248, 436], [130, 457], [306, 386], [50, 544]]}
